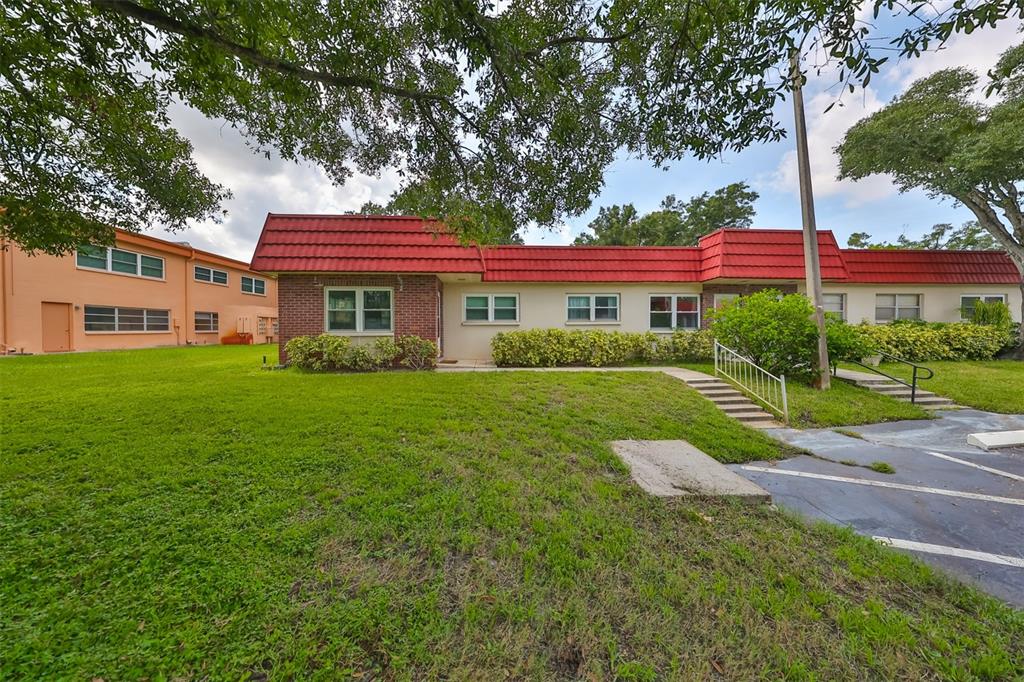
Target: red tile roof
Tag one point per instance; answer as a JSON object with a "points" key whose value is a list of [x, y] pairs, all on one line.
{"points": [[353, 243], [766, 254], [591, 264], [395, 244], [897, 266]]}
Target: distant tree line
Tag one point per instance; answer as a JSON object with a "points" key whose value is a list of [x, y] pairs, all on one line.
{"points": [[968, 237]]}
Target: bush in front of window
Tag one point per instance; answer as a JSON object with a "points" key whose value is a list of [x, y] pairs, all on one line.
{"points": [[414, 352], [776, 332], [994, 314], [597, 348], [938, 341], [332, 353], [846, 341]]}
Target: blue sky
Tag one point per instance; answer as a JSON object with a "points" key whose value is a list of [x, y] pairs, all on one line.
{"points": [[873, 205]]}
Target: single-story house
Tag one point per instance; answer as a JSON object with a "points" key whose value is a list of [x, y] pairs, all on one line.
{"points": [[371, 276]]}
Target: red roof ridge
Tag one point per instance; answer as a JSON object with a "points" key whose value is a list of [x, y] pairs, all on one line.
{"points": [[585, 246], [902, 250], [367, 216]]}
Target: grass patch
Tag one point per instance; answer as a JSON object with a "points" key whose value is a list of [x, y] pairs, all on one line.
{"points": [[992, 385], [182, 514], [843, 405], [882, 467], [849, 433]]}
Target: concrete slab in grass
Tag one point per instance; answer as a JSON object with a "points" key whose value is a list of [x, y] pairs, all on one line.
{"points": [[671, 468], [996, 439]]}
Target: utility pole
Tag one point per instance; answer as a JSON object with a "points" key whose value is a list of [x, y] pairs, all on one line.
{"points": [[812, 265]]}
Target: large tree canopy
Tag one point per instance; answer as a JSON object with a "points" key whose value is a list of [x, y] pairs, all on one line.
{"points": [[938, 137], [676, 222], [501, 118]]}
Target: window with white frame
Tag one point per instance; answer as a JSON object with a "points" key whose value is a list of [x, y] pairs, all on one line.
{"points": [[110, 259], [675, 311], [211, 275], [721, 299], [890, 307], [254, 285], [207, 323], [967, 302], [491, 308], [358, 310], [113, 319], [592, 308], [834, 303]]}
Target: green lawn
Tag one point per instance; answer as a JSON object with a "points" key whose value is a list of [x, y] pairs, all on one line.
{"points": [[993, 385], [843, 405], [183, 514]]}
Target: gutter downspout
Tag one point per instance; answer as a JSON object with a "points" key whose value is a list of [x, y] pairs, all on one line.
{"points": [[3, 294], [188, 281]]}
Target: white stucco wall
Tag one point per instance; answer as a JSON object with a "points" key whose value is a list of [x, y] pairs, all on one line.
{"points": [[938, 303], [543, 306]]}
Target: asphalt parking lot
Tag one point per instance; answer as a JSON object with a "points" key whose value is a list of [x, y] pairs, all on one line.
{"points": [[953, 505]]}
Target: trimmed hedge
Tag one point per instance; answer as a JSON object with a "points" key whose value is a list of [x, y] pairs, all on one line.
{"points": [[937, 341], [330, 353], [596, 347]]}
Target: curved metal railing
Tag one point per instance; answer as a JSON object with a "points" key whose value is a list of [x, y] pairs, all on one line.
{"points": [[914, 377]]}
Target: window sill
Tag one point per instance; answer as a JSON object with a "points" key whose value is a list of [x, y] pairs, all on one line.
{"points": [[251, 293], [104, 333], [609, 323], [216, 284], [85, 268], [481, 323], [355, 333], [211, 331]]}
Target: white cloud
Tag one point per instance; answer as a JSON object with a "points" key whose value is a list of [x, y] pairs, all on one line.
{"points": [[261, 185], [978, 51]]}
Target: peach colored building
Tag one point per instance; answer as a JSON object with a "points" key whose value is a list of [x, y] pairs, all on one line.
{"points": [[141, 292]]}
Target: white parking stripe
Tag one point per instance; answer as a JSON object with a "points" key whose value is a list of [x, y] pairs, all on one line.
{"points": [[997, 472], [952, 551], [886, 484]]}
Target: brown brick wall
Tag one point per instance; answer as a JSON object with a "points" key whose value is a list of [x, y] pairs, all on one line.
{"points": [[300, 300], [707, 298]]}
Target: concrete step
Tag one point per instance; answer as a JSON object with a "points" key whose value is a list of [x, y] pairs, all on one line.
{"points": [[750, 413], [718, 391], [707, 380], [730, 400], [747, 406], [709, 384], [880, 388]]}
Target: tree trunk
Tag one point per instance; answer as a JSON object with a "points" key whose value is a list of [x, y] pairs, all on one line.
{"points": [[987, 218]]}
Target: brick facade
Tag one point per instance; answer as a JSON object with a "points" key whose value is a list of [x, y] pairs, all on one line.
{"points": [[707, 297], [301, 303]]}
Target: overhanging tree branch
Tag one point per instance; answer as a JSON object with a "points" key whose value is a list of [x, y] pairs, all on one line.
{"points": [[167, 23]]}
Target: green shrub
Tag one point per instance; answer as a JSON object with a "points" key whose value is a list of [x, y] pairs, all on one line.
{"points": [[776, 332], [994, 313], [415, 352], [937, 341], [696, 346], [597, 348], [330, 353], [845, 341]]}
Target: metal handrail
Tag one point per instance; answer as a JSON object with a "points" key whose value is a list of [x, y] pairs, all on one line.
{"points": [[759, 382], [914, 378]]}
